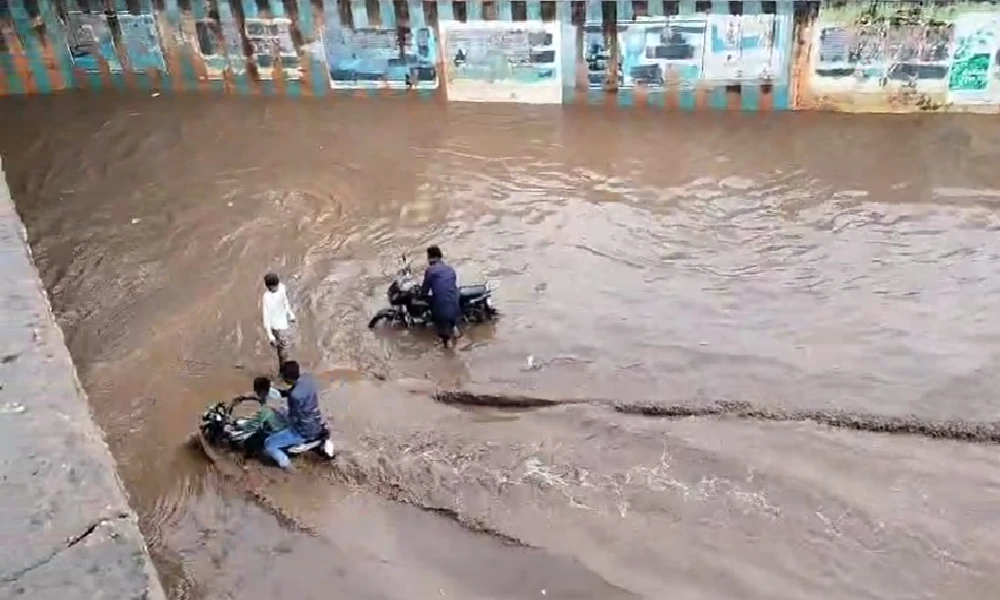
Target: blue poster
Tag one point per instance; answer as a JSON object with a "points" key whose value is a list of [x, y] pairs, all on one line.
{"points": [[651, 52], [373, 58], [142, 43]]}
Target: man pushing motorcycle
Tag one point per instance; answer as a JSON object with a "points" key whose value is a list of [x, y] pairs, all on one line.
{"points": [[441, 282], [304, 418]]}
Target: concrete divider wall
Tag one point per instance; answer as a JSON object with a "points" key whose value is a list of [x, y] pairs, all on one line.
{"points": [[750, 55], [66, 528]]}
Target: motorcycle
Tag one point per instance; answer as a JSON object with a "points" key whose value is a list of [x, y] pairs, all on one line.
{"points": [[221, 429], [409, 308]]}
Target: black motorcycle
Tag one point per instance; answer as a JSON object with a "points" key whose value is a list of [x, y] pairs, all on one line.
{"points": [[221, 429], [409, 308]]}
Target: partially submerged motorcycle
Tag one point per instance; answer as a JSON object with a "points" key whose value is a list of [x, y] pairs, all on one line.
{"points": [[221, 429], [409, 308]]}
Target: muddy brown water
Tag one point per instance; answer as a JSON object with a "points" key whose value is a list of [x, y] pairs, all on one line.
{"points": [[796, 262]]}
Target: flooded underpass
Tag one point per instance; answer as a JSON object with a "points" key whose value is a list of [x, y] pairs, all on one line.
{"points": [[814, 267]]}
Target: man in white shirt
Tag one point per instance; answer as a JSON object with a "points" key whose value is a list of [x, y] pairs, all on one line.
{"points": [[277, 316]]}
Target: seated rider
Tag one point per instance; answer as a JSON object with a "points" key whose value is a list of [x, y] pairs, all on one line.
{"points": [[267, 419], [442, 283], [304, 419]]}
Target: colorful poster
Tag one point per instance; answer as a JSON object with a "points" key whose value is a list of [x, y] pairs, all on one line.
{"points": [[271, 43], [880, 54], [142, 43], [374, 58], [221, 48], [90, 42], [974, 72], [498, 61], [742, 48], [651, 52]]}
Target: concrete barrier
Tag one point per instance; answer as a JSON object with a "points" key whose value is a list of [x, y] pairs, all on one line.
{"points": [[66, 527]]}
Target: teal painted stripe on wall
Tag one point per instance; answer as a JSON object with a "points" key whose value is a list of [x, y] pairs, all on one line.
{"points": [[387, 13], [750, 90], [32, 46], [56, 35], [359, 13], [595, 13], [94, 81], [293, 87], [656, 98], [624, 10], [626, 97], [717, 97], [784, 32], [474, 10], [200, 13], [146, 7], [229, 23], [14, 83], [507, 11], [446, 12], [418, 20], [331, 22], [687, 98], [317, 69], [534, 10], [121, 7]]}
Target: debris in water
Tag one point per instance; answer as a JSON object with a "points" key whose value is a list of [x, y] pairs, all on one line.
{"points": [[12, 408]]}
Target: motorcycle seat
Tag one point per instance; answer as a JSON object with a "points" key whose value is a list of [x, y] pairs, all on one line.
{"points": [[472, 291]]}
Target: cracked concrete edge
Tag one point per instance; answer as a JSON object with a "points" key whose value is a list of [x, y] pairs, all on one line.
{"points": [[106, 557]]}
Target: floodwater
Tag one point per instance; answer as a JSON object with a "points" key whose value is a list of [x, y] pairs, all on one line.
{"points": [[794, 262]]}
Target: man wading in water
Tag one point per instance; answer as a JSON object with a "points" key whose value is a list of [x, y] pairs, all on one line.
{"points": [[277, 316], [442, 283]]}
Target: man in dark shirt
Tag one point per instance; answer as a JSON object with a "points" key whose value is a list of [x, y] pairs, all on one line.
{"points": [[304, 418], [442, 284]]}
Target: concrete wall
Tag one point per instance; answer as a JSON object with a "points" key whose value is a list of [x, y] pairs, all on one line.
{"points": [[683, 54], [67, 530]]}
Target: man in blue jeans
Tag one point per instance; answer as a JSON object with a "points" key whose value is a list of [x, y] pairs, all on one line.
{"points": [[304, 418]]}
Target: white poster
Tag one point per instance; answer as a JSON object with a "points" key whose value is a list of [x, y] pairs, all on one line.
{"points": [[497, 61]]}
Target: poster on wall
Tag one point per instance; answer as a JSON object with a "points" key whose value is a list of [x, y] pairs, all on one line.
{"points": [[142, 43], [651, 52], [371, 57], [880, 55], [271, 43], [742, 48], [220, 47], [975, 75], [498, 61], [90, 42]]}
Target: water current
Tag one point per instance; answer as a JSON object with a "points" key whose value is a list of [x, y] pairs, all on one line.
{"points": [[740, 356]]}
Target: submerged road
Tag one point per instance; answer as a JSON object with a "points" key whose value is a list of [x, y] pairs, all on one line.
{"points": [[727, 266]]}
